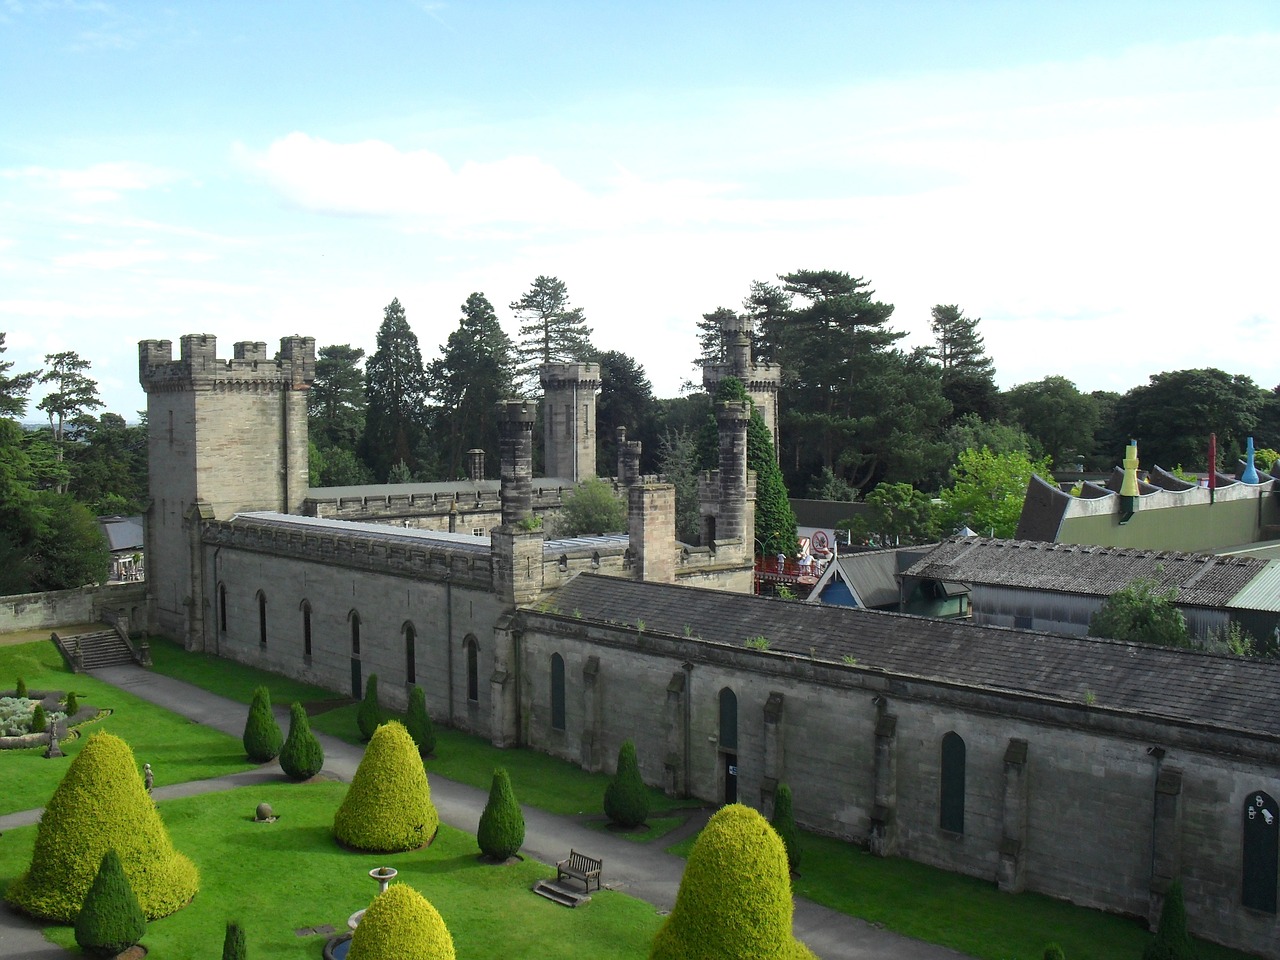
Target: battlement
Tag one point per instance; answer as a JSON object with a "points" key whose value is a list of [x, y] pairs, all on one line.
{"points": [[567, 376], [250, 367]]}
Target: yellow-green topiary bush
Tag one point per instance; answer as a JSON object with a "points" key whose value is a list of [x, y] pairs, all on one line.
{"points": [[401, 924], [388, 806], [101, 805], [735, 895]]}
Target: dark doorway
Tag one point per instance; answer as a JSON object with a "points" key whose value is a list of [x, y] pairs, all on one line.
{"points": [[357, 688], [1261, 846], [730, 777]]}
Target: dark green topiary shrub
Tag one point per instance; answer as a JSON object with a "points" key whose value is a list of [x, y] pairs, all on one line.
{"points": [[369, 716], [784, 822], [418, 721], [302, 756], [111, 919], [401, 924], [262, 736], [71, 704], [1054, 952], [735, 895], [20, 688], [388, 806], [501, 830], [233, 945], [1172, 941], [626, 801], [101, 805], [39, 722]]}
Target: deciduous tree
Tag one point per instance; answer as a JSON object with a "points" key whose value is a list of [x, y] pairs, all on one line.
{"points": [[626, 400], [1058, 417], [988, 491], [1141, 612], [591, 509]]}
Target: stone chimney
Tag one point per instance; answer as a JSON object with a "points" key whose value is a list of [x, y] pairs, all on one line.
{"points": [[732, 419], [475, 465], [628, 459], [651, 524]]}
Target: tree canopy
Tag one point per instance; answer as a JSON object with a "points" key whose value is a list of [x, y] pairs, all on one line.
{"points": [[988, 490], [550, 330], [968, 375], [1141, 612], [395, 392]]}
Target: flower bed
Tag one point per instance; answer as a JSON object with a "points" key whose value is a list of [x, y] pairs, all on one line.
{"points": [[16, 713]]}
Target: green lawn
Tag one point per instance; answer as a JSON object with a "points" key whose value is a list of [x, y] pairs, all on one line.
{"points": [[229, 679], [960, 912], [177, 749], [276, 878]]}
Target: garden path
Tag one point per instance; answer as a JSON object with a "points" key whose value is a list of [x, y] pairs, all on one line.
{"points": [[645, 871]]}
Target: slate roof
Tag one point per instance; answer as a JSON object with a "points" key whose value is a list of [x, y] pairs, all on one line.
{"points": [[1231, 694], [124, 534], [1201, 580]]}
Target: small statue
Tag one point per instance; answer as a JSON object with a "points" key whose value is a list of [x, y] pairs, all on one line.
{"points": [[53, 750], [148, 778]]}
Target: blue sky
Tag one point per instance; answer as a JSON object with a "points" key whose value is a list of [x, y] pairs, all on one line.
{"points": [[1096, 181]]}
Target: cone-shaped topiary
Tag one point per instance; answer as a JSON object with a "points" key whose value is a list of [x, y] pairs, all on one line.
{"points": [[233, 945], [784, 822], [262, 736], [419, 723], [111, 919], [1172, 941], [20, 688], [501, 830], [401, 924], [101, 805], [38, 719], [302, 756], [626, 801], [72, 704], [735, 895], [1054, 952], [388, 806], [369, 716]]}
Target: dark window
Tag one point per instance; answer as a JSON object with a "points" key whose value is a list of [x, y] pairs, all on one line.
{"points": [[222, 607], [728, 719], [355, 634], [1261, 848], [473, 669], [557, 692], [951, 816], [306, 628], [262, 619], [410, 660]]}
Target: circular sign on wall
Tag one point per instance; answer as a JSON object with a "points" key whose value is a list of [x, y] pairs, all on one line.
{"points": [[819, 540]]}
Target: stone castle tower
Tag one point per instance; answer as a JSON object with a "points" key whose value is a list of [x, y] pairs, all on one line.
{"points": [[223, 436], [569, 419], [761, 380]]}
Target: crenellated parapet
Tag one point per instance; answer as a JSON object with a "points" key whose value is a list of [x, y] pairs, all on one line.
{"points": [[250, 368]]}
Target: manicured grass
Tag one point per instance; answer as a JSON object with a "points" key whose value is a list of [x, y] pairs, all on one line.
{"points": [[276, 878], [177, 749], [228, 678], [655, 828], [961, 912]]}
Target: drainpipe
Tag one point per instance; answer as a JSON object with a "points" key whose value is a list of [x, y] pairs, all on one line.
{"points": [[687, 667], [448, 627]]}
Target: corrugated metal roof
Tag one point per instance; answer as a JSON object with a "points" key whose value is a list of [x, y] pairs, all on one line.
{"points": [[1262, 592]]}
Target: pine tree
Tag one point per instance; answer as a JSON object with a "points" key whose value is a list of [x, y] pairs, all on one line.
{"points": [[550, 330], [369, 716], [111, 920], [20, 690], [233, 944], [302, 757], [395, 391], [418, 722], [262, 737], [784, 822], [626, 800], [968, 375], [501, 830]]}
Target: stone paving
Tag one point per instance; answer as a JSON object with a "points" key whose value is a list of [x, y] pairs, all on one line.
{"points": [[639, 870]]}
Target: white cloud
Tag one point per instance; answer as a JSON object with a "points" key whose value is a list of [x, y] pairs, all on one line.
{"points": [[99, 183]]}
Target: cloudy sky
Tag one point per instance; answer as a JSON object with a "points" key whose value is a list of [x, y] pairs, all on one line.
{"points": [[1099, 182]]}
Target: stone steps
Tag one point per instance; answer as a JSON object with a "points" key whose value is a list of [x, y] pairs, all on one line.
{"points": [[103, 648]]}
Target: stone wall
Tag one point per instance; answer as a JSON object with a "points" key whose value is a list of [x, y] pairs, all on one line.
{"points": [[60, 608]]}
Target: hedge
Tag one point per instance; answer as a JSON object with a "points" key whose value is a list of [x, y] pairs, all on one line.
{"points": [[401, 925], [388, 806]]}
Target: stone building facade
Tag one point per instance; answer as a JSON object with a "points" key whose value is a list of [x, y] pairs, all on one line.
{"points": [[1083, 769]]}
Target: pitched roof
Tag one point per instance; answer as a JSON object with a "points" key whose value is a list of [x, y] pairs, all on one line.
{"points": [[1228, 693], [1200, 579]]}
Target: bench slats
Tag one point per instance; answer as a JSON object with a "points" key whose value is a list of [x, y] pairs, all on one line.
{"points": [[580, 867]]}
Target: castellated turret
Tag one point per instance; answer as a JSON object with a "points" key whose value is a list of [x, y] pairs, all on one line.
{"points": [[761, 380], [569, 419], [224, 436]]}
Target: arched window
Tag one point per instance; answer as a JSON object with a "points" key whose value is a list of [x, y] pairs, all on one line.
{"points": [[951, 800], [222, 607], [557, 692], [306, 628], [728, 719], [355, 633], [473, 669], [410, 658], [1261, 849], [262, 619]]}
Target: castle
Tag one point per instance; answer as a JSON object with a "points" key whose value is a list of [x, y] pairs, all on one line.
{"points": [[1084, 769]]}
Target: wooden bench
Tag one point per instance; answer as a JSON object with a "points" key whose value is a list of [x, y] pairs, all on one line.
{"points": [[580, 867]]}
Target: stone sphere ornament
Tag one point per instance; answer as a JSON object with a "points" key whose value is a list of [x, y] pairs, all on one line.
{"points": [[264, 814]]}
